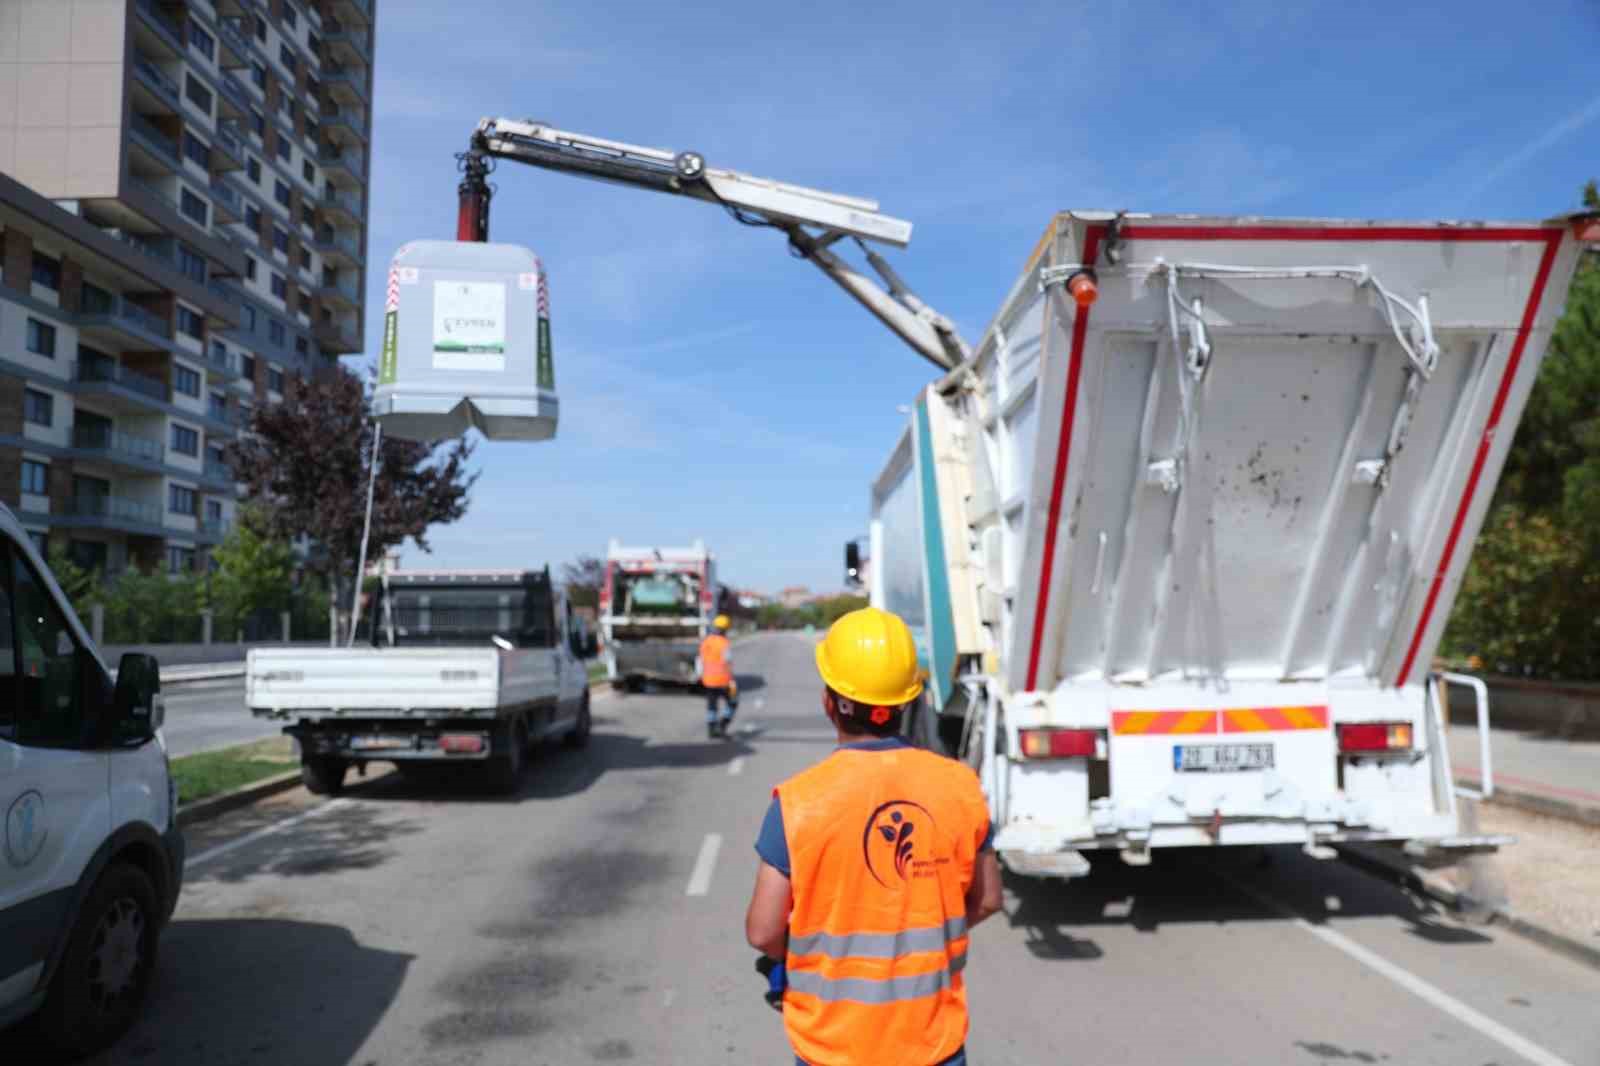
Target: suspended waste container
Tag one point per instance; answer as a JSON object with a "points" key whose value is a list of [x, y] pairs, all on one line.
{"points": [[466, 343]]}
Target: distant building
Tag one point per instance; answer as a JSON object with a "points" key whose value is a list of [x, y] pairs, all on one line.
{"points": [[750, 599], [795, 596]]}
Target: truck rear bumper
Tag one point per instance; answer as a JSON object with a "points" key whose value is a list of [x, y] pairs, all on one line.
{"points": [[449, 743]]}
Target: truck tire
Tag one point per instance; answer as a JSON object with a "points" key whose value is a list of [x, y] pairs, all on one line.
{"points": [[104, 974], [509, 759], [579, 736], [322, 775]]}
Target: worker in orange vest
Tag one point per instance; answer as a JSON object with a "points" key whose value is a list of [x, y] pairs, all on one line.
{"points": [[876, 863], [716, 677]]}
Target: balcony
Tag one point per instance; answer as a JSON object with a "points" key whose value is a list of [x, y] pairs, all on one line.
{"points": [[227, 149], [119, 320], [156, 144], [214, 529], [223, 365], [218, 472], [345, 43], [161, 89], [346, 164], [345, 126], [165, 28], [352, 11], [335, 337], [115, 512], [235, 40], [118, 447], [113, 380], [344, 205], [226, 201], [339, 291], [234, 96], [347, 84]]}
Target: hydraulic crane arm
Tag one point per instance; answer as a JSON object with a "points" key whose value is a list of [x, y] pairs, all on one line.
{"points": [[813, 220]]}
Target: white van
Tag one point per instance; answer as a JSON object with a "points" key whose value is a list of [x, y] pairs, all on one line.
{"points": [[91, 859]]}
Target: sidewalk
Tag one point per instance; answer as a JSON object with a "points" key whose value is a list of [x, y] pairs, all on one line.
{"points": [[1534, 770]]}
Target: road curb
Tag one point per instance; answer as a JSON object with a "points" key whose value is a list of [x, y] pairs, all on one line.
{"points": [[1374, 861], [207, 809], [1550, 806]]}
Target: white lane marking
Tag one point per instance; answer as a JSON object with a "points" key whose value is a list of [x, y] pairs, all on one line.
{"points": [[264, 831], [1409, 981], [736, 767], [704, 864]]}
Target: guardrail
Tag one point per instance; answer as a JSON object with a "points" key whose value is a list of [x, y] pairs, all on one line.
{"points": [[158, 77], [116, 374], [116, 443], [114, 508]]}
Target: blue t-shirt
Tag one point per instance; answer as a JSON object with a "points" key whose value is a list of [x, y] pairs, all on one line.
{"points": [[773, 846]]}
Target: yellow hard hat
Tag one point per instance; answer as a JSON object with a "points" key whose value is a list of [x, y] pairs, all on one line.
{"points": [[868, 656], [720, 622]]}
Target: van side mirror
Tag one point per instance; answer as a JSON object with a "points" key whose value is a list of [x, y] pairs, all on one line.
{"points": [[852, 563], [135, 710]]}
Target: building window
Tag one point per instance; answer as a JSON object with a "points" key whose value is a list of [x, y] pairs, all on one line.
{"points": [[194, 209], [305, 260], [180, 500], [291, 17], [258, 74], [275, 333], [38, 407], [197, 150], [35, 477], [250, 267], [41, 338], [252, 218], [308, 172], [179, 560], [201, 41], [252, 167], [213, 510], [261, 29], [185, 441], [280, 191], [197, 93], [247, 367], [185, 380], [280, 288], [258, 122], [286, 56], [41, 543], [274, 379], [312, 131], [219, 352], [302, 346], [247, 318], [280, 239], [192, 264], [46, 271], [283, 148], [191, 324], [286, 105]]}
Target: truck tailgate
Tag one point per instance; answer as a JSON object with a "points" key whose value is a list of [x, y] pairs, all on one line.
{"points": [[336, 680]]}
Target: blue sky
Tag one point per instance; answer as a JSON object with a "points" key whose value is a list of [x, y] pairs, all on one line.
{"points": [[712, 386]]}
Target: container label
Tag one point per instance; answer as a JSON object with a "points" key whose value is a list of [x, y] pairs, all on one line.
{"points": [[547, 364], [387, 360], [469, 325]]}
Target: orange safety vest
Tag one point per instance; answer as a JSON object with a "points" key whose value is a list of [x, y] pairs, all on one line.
{"points": [[882, 846], [714, 671]]}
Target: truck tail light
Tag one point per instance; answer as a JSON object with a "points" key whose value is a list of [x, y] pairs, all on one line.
{"points": [[1059, 743], [1375, 736], [461, 743]]}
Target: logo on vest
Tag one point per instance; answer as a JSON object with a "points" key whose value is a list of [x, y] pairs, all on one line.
{"points": [[893, 846]]}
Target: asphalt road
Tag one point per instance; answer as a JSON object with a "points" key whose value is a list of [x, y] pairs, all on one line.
{"points": [[1531, 761], [597, 917], [202, 715]]}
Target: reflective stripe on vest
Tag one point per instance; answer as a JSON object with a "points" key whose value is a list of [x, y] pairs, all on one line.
{"points": [[870, 990], [880, 945]]}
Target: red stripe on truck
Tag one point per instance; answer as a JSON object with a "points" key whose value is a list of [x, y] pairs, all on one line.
{"points": [[1551, 238]]}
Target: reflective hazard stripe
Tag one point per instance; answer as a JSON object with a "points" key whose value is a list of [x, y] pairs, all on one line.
{"points": [[867, 990], [879, 945]]}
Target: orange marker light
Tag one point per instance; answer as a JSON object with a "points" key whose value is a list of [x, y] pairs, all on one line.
{"points": [[1083, 288]]}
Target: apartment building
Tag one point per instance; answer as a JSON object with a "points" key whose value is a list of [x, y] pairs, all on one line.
{"points": [[183, 196]]}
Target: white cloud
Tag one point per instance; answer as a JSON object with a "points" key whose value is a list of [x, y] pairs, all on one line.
{"points": [[1519, 158]]}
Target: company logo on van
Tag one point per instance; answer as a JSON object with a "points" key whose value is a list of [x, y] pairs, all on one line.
{"points": [[25, 829]]}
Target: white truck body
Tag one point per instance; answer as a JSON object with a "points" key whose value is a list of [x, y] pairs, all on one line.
{"points": [[655, 637], [1205, 524]]}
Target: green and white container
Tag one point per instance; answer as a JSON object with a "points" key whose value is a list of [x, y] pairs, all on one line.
{"points": [[466, 343]]}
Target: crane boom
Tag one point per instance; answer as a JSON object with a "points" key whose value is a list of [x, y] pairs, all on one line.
{"points": [[812, 219]]}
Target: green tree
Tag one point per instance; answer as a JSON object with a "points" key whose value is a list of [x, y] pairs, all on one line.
{"points": [[253, 573], [82, 587]]}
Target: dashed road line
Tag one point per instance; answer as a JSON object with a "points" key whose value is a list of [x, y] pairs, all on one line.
{"points": [[264, 831], [1506, 1038], [704, 864], [736, 767]]}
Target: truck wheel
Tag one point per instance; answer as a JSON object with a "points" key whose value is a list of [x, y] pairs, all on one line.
{"points": [[579, 737], [96, 993], [322, 775], [505, 768]]}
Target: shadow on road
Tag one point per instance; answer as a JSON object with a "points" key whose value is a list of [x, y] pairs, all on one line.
{"points": [[1199, 886], [267, 990]]}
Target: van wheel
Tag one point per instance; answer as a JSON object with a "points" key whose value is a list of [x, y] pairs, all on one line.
{"points": [[579, 737], [104, 976], [505, 768], [322, 775]]}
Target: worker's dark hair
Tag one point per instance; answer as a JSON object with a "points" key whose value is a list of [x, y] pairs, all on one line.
{"points": [[856, 718]]}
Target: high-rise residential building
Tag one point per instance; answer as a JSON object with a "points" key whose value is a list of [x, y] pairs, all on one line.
{"points": [[183, 236]]}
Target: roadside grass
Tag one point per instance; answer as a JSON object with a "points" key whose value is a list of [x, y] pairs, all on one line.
{"points": [[597, 671], [212, 773]]}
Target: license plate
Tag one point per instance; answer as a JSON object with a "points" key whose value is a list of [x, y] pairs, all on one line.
{"points": [[379, 743], [1218, 758]]}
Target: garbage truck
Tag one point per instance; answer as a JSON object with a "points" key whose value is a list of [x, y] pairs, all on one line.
{"points": [[656, 604], [1179, 540]]}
